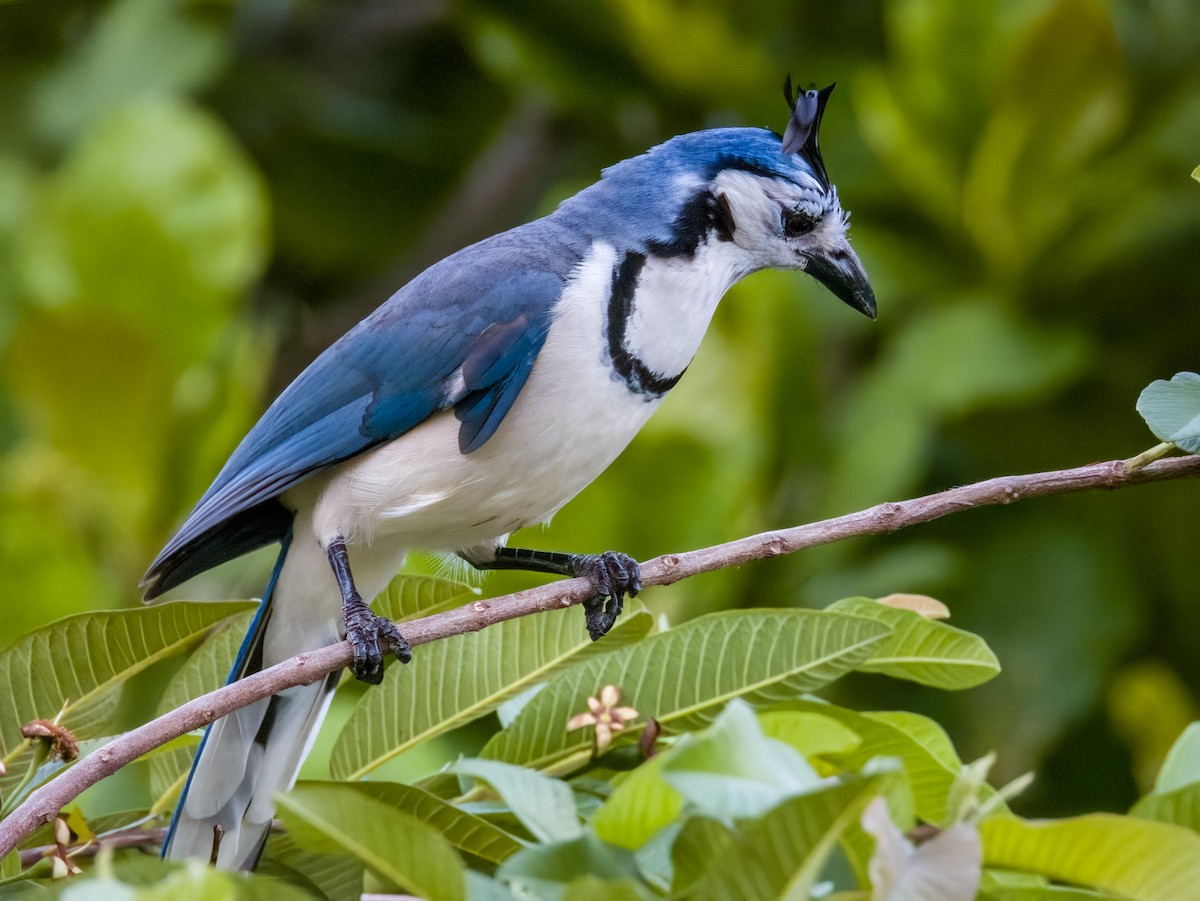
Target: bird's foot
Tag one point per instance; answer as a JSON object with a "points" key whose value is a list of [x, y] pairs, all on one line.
{"points": [[371, 637], [614, 575]]}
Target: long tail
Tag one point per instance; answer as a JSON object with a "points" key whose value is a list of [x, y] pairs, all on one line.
{"points": [[249, 755]]}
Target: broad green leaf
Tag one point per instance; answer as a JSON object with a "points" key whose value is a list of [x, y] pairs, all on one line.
{"points": [[505, 660], [1182, 764], [397, 847], [336, 876], [700, 842], [469, 833], [485, 888], [1138, 859], [543, 870], [812, 734], [642, 804], [731, 770], [206, 669], [923, 650], [1180, 806], [781, 854], [78, 664], [409, 596], [1006, 885], [929, 762], [543, 804], [1172, 410], [682, 677]]}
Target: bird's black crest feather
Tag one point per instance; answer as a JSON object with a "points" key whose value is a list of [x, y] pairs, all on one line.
{"points": [[803, 127]]}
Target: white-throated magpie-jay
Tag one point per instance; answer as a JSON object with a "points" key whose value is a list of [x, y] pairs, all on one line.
{"points": [[480, 398]]}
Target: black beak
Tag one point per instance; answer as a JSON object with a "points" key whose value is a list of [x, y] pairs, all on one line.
{"points": [[842, 273]]}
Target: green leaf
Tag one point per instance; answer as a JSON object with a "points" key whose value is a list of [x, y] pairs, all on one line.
{"points": [[1196, 173], [409, 596], [731, 770], [1182, 764], [1180, 806], [398, 848], [700, 842], [929, 761], [543, 804], [781, 854], [1138, 859], [812, 734], [506, 660], [1005, 885], [923, 650], [642, 804], [682, 677], [469, 833], [335, 876], [543, 870], [79, 664], [1172, 410], [484, 888]]}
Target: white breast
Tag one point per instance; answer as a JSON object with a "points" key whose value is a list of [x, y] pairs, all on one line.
{"points": [[570, 421]]}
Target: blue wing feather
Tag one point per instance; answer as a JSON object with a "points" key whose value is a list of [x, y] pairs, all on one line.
{"points": [[476, 312]]}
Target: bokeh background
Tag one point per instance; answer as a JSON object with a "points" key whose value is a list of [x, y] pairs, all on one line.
{"points": [[196, 197]]}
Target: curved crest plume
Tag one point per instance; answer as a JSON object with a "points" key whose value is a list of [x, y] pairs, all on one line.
{"points": [[801, 136]]}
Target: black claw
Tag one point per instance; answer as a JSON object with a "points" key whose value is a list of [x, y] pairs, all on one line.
{"points": [[371, 636], [615, 575]]}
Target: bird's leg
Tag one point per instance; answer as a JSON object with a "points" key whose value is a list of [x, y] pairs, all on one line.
{"points": [[370, 635], [613, 574]]}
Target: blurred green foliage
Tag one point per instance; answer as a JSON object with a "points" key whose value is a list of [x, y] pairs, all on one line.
{"points": [[196, 197]]}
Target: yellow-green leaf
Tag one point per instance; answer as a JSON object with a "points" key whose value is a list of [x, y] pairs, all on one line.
{"points": [[1138, 859]]}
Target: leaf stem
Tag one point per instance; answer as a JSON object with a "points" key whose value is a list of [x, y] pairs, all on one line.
{"points": [[1133, 464]]}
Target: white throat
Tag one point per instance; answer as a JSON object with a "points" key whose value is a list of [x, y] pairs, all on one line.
{"points": [[673, 301]]}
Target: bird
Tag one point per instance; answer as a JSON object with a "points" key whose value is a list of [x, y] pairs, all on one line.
{"points": [[479, 399]]}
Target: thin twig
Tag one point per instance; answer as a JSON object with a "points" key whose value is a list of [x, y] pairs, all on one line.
{"points": [[44, 803], [126, 838]]}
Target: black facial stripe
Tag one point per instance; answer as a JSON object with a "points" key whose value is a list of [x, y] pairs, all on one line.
{"points": [[703, 213], [637, 375]]}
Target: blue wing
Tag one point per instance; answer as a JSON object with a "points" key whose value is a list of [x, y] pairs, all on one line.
{"points": [[463, 334]]}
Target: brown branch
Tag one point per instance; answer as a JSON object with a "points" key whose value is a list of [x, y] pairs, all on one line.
{"points": [[44, 803]]}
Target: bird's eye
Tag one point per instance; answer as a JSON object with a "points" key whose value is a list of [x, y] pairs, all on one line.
{"points": [[797, 223]]}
